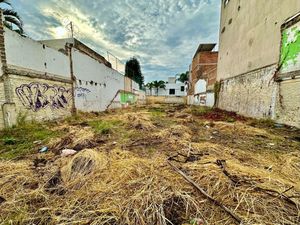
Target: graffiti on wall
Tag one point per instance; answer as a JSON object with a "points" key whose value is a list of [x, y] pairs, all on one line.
{"points": [[37, 96], [290, 49], [127, 98], [82, 92]]}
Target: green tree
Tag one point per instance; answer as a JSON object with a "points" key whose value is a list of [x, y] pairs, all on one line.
{"points": [[158, 85], [12, 19], [183, 77], [133, 71], [150, 85]]}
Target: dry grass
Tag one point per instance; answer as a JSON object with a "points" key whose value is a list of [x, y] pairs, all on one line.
{"points": [[125, 179]]}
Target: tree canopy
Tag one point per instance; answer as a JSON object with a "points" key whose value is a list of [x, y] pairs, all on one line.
{"points": [[183, 77], [156, 84], [133, 71], [12, 19]]}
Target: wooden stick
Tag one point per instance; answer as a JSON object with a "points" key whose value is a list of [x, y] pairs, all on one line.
{"points": [[216, 202]]}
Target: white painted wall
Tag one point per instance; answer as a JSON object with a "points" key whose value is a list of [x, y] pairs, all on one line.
{"points": [[200, 87], [202, 97], [31, 55], [88, 95]]}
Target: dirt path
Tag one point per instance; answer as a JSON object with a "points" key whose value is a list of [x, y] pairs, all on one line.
{"points": [[120, 174]]}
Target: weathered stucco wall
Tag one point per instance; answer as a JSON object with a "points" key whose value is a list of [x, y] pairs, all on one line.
{"points": [[247, 67], [288, 103], [251, 42], [97, 85], [252, 94], [22, 52], [39, 99]]}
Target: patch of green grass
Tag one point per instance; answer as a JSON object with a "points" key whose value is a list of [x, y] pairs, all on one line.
{"points": [[157, 112], [17, 142], [262, 123], [230, 119], [200, 110], [104, 126]]}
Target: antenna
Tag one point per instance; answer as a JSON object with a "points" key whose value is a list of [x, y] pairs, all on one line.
{"points": [[72, 28]]}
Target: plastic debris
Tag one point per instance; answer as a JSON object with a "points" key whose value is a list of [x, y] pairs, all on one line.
{"points": [[68, 152], [44, 149]]}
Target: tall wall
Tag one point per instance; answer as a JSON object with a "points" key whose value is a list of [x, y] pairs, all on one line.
{"points": [[259, 59], [35, 82], [250, 34], [25, 53], [97, 85]]}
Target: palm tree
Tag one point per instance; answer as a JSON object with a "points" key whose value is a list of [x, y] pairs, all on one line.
{"points": [[11, 17], [150, 85], [159, 84]]}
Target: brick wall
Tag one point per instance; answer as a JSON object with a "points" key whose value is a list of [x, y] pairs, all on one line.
{"points": [[204, 67]]}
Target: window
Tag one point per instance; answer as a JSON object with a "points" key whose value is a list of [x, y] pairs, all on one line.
{"points": [[182, 88], [172, 92]]}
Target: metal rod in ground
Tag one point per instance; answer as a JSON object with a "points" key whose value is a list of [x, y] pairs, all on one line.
{"points": [[216, 202]]}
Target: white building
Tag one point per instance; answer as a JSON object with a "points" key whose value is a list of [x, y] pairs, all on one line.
{"points": [[173, 88]]}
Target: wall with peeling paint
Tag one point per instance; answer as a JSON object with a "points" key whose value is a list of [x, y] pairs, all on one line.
{"points": [[288, 103], [260, 70], [252, 94]]}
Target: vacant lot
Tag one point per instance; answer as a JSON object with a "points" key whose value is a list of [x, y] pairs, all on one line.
{"points": [[130, 167]]}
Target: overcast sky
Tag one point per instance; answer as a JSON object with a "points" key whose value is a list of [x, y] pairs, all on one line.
{"points": [[162, 34]]}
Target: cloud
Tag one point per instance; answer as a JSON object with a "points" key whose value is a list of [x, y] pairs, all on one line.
{"points": [[162, 34]]}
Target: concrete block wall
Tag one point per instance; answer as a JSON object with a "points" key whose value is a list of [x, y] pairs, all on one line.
{"points": [[252, 94]]}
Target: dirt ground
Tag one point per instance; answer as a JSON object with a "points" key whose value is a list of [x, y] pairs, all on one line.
{"points": [[122, 172]]}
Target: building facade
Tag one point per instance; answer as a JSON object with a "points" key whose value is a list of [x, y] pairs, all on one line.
{"points": [[203, 75], [173, 88], [259, 59]]}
